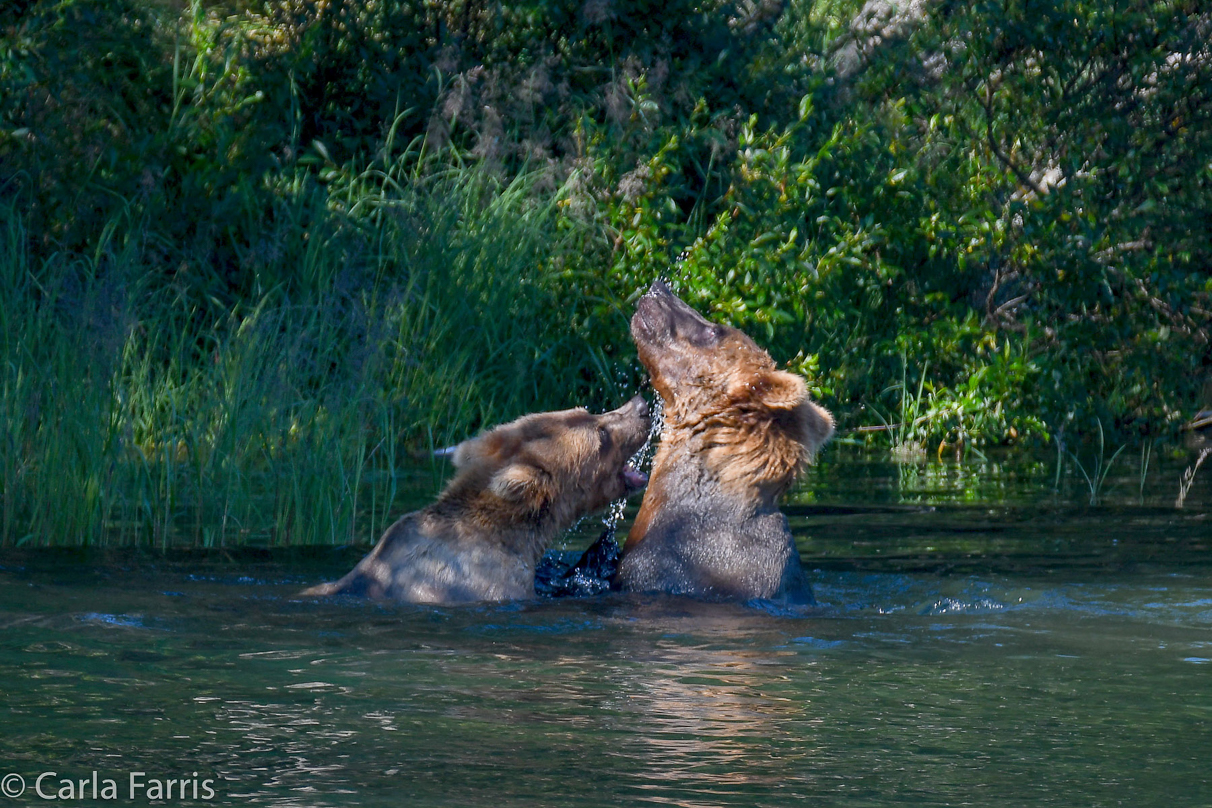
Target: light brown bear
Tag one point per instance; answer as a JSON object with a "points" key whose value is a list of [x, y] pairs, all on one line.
{"points": [[517, 487], [737, 433]]}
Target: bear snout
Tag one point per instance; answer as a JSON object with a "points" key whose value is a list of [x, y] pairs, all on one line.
{"points": [[634, 414], [662, 318], [659, 288], [638, 406], [648, 327]]}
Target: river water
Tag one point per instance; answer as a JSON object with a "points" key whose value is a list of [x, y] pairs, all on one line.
{"points": [[985, 636]]}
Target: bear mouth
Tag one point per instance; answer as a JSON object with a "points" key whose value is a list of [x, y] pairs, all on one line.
{"points": [[633, 480]]}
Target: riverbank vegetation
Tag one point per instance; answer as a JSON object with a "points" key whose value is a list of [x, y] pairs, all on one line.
{"points": [[256, 258]]}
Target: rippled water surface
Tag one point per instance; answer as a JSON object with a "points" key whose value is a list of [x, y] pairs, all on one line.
{"points": [[981, 640]]}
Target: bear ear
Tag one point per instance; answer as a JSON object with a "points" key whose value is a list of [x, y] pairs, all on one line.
{"points": [[815, 426], [462, 454], [522, 484], [779, 390], [482, 449]]}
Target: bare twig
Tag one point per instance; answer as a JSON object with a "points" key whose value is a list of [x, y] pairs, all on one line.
{"points": [[1184, 482], [1023, 177]]}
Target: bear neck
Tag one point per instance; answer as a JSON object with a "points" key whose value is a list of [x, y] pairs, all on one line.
{"points": [[754, 454], [721, 473]]}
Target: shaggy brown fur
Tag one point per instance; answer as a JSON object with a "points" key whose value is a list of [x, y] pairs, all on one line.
{"points": [[737, 433], [517, 487]]}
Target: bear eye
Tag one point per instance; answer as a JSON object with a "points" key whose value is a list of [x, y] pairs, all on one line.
{"points": [[604, 436]]}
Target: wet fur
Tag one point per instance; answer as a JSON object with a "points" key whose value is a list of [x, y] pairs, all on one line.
{"points": [[517, 487], [737, 434]]}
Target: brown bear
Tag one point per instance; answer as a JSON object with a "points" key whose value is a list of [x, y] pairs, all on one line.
{"points": [[517, 487], [737, 433]]}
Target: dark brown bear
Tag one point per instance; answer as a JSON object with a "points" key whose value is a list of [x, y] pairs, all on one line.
{"points": [[737, 433], [517, 487]]}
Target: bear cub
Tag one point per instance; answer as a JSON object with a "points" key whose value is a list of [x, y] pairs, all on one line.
{"points": [[517, 487], [737, 433]]}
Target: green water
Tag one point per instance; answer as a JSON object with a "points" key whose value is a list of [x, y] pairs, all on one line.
{"points": [[984, 637]]}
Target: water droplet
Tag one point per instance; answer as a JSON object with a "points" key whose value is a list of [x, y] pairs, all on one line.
{"points": [[641, 461]]}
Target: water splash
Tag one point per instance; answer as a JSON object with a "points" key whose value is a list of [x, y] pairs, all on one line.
{"points": [[591, 573], [614, 514], [950, 606], [640, 461]]}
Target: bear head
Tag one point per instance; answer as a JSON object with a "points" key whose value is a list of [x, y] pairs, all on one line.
{"points": [[553, 467], [724, 398]]}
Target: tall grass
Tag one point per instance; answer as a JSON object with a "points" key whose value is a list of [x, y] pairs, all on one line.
{"points": [[133, 410]]}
